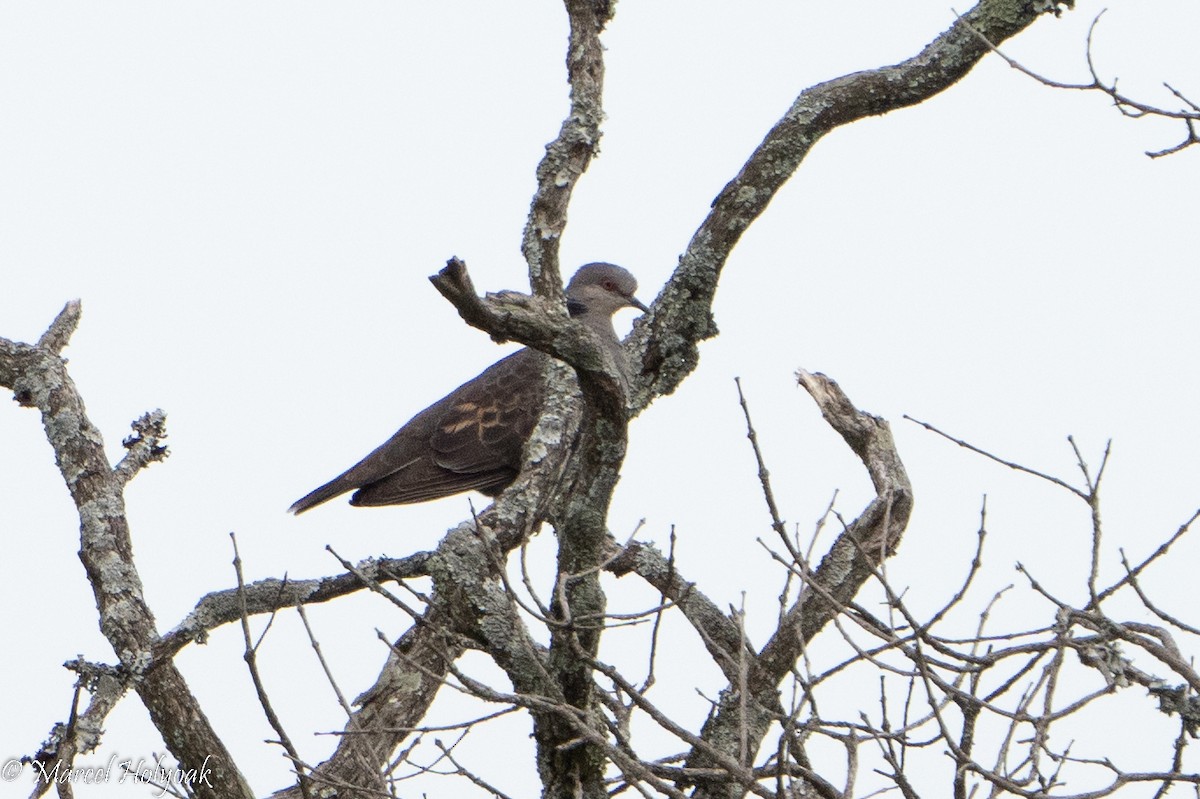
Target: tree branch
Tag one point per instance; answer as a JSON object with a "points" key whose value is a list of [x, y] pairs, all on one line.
{"points": [[568, 156], [746, 709], [1126, 105], [40, 379], [270, 595], [664, 347]]}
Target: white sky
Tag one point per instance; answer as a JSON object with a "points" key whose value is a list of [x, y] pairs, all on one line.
{"points": [[248, 199]]}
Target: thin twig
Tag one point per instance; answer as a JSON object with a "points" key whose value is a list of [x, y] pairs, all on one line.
{"points": [[1010, 464], [251, 657]]}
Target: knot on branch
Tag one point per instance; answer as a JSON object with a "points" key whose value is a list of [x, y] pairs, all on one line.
{"points": [[144, 445], [504, 315], [1106, 657], [1054, 7], [1176, 699], [90, 673]]}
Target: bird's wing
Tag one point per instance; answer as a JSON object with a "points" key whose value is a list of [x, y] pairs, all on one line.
{"points": [[470, 439], [424, 480], [486, 421]]}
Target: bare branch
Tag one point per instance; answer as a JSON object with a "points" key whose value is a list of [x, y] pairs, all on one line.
{"points": [[40, 379], [82, 732], [569, 155], [270, 595], [1010, 464], [1127, 106], [250, 655], [719, 633], [764, 476], [58, 335], [1158, 553], [664, 347]]}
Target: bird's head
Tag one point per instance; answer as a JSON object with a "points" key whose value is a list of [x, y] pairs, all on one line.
{"points": [[602, 289]]}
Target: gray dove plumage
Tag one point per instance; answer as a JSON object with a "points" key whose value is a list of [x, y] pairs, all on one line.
{"points": [[473, 437]]}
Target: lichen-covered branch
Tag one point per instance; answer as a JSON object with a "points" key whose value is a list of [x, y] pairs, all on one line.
{"points": [[579, 512], [568, 156], [719, 633], [38, 377], [271, 595], [534, 322], [663, 349], [748, 706], [389, 711], [82, 731]]}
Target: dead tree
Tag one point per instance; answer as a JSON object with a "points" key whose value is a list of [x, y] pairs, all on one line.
{"points": [[753, 741]]}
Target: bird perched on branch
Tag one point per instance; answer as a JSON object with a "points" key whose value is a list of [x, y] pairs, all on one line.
{"points": [[473, 437]]}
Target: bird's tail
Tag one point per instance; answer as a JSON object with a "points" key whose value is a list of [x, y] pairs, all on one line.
{"points": [[335, 487]]}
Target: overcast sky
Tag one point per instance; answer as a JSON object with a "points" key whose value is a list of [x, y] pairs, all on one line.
{"points": [[248, 197]]}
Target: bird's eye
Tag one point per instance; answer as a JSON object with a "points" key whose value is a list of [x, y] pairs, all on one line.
{"points": [[611, 285]]}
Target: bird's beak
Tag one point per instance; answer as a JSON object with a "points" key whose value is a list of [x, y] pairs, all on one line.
{"points": [[636, 303]]}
